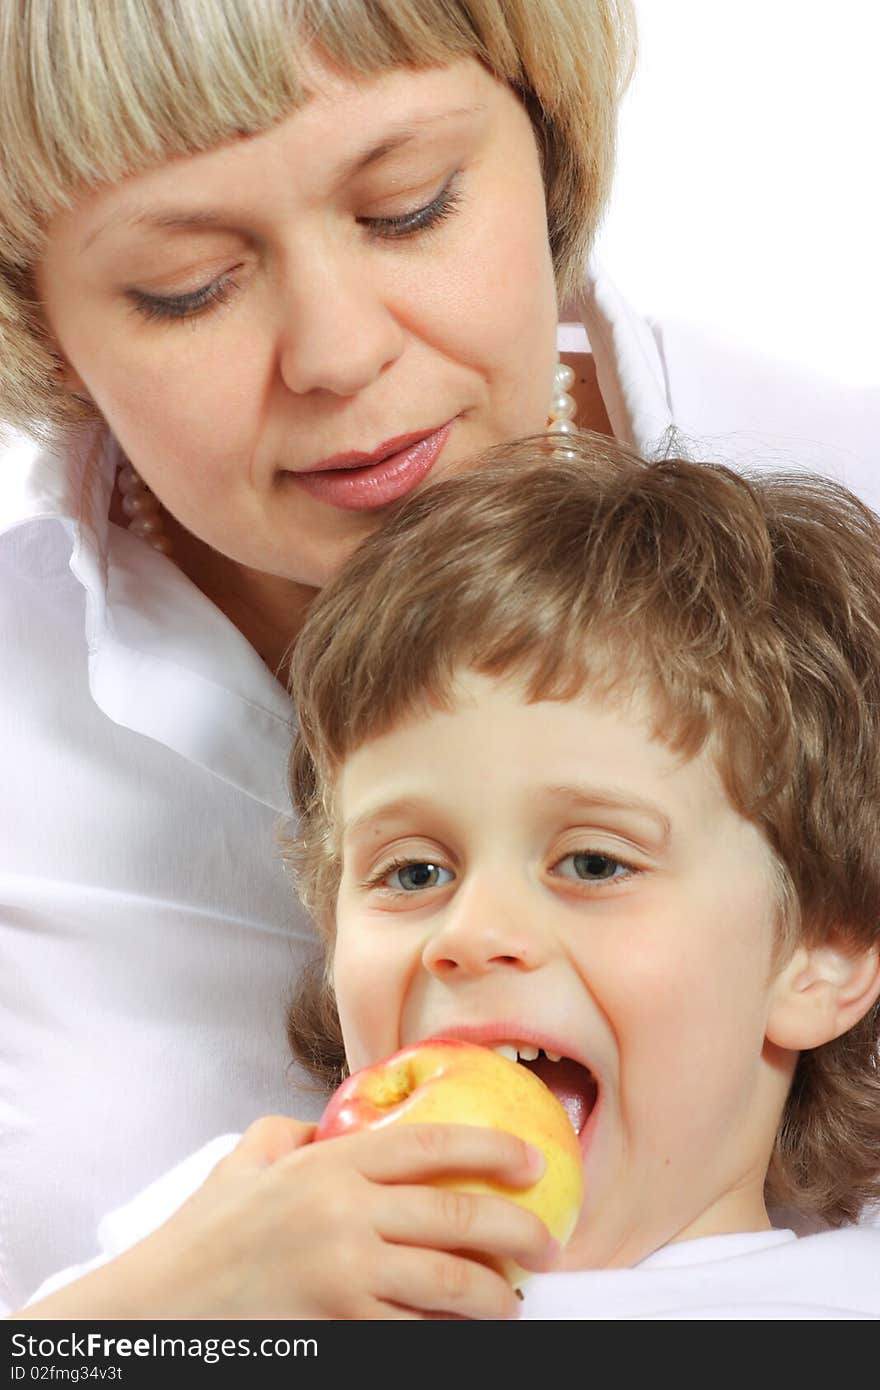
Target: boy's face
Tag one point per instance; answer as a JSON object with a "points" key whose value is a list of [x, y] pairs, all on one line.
{"points": [[551, 874]]}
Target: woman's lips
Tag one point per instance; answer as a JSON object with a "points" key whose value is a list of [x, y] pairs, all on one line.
{"points": [[376, 484]]}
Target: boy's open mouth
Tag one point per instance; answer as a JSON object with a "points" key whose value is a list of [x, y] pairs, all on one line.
{"points": [[573, 1084]]}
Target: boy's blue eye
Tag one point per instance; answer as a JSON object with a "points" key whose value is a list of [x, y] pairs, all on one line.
{"points": [[590, 866], [411, 878]]}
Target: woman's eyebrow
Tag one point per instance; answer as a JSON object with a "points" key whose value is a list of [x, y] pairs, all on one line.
{"points": [[390, 142], [176, 219], [402, 134]]}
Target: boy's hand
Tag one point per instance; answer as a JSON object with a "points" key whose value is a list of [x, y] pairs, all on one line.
{"points": [[350, 1228]]}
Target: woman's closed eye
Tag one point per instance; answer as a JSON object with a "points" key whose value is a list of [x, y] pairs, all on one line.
{"points": [[175, 307], [178, 307], [421, 219], [593, 866]]}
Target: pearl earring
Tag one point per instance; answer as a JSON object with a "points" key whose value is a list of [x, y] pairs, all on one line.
{"points": [[563, 407], [143, 509]]}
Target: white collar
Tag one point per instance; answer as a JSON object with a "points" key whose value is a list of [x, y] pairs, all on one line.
{"points": [[629, 367], [163, 660], [707, 1249]]}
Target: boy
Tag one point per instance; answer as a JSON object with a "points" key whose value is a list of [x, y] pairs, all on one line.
{"points": [[589, 766]]}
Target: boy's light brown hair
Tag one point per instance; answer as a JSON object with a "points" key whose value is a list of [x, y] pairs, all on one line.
{"points": [[751, 610]]}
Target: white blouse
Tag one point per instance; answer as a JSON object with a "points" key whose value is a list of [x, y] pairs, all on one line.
{"points": [[749, 1275], [148, 935]]}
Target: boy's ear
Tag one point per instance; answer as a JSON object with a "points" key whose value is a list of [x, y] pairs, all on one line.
{"points": [[821, 993]]}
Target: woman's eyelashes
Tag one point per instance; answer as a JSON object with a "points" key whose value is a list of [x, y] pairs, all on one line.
{"points": [[178, 307], [164, 308], [420, 219]]}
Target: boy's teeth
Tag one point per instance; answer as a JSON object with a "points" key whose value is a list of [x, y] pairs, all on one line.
{"points": [[524, 1052]]}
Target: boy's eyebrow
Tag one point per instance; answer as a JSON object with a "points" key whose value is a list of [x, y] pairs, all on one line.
{"points": [[591, 799], [578, 799], [385, 810]]}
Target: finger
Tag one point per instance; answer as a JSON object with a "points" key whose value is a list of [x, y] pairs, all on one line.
{"points": [[269, 1139], [392, 1312], [434, 1282], [410, 1153], [441, 1218]]}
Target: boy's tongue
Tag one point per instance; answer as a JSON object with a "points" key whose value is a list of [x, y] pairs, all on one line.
{"points": [[571, 1084]]}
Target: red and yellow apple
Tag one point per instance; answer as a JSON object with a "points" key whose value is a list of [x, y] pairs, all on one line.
{"points": [[445, 1080]]}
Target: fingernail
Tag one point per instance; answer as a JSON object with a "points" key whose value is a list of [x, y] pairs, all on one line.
{"points": [[552, 1253], [547, 1259], [537, 1161]]}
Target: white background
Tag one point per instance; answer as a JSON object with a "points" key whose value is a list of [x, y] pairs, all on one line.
{"points": [[746, 195]]}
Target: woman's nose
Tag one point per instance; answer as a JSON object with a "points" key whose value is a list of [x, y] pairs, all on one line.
{"points": [[482, 932], [338, 334]]}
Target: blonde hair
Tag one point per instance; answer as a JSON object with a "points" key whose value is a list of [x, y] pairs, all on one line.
{"points": [[90, 93], [752, 611]]}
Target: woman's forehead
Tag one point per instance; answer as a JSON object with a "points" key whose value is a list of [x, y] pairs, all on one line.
{"points": [[343, 130], [201, 74]]}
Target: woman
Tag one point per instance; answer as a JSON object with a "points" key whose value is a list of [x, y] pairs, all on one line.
{"points": [[265, 269]]}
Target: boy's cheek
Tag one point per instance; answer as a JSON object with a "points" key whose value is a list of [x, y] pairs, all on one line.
{"points": [[368, 989]]}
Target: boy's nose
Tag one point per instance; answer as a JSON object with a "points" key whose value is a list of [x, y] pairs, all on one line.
{"points": [[482, 933]]}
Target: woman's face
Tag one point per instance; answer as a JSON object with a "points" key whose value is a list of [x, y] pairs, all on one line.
{"points": [[370, 277]]}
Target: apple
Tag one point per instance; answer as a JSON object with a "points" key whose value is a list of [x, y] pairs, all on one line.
{"points": [[447, 1080]]}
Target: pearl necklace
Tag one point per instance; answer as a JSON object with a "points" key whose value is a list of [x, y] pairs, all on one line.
{"points": [[144, 510], [563, 407]]}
